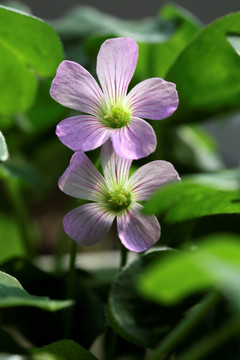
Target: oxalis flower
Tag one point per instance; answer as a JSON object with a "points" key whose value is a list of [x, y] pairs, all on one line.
{"points": [[111, 112], [113, 196]]}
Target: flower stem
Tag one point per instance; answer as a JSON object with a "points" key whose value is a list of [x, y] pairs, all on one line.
{"points": [[211, 341], [60, 251], [15, 199], [70, 291], [185, 326]]}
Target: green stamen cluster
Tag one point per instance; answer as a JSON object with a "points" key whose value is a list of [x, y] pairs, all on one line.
{"points": [[117, 117], [118, 199]]}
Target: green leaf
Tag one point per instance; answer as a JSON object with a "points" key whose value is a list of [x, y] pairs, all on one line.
{"points": [[215, 263], [197, 196], [193, 149], [207, 73], [133, 318], [13, 294], [156, 58], [6, 122], [27, 46], [11, 243], [45, 112], [89, 318], [23, 171], [3, 148], [83, 21], [66, 350], [160, 39]]}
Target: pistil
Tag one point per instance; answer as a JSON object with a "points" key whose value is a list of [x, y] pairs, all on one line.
{"points": [[117, 117], [118, 199]]}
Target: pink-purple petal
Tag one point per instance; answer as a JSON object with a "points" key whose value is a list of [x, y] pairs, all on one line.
{"points": [[75, 88], [137, 231], [88, 224], [116, 63], [84, 132], [153, 98], [115, 168], [81, 179], [135, 140], [150, 177]]}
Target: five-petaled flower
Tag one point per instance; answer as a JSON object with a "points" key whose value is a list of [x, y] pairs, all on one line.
{"points": [[113, 196], [110, 112]]}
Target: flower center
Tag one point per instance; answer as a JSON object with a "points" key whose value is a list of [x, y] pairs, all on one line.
{"points": [[117, 117], [118, 199]]}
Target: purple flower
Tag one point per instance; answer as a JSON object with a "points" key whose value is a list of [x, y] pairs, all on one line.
{"points": [[111, 112], [113, 196]]}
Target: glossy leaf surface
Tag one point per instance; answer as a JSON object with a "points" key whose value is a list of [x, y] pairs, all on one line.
{"points": [[214, 263], [134, 318], [12, 294], [197, 196], [207, 73], [66, 350], [28, 46]]}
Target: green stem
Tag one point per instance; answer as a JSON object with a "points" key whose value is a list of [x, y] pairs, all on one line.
{"points": [[70, 291], [72, 271], [212, 341], [185, 326], [60, 251], [16, 200]]}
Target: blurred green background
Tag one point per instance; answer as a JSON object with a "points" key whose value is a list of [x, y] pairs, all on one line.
{"points": [[201, 137]]}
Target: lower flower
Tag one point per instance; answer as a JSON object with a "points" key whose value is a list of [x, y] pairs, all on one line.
{"points": [[113, 196]]}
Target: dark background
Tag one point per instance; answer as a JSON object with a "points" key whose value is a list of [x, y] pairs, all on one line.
{"points": [[205, 10]]}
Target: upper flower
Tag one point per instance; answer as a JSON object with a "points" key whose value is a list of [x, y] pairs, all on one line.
{"points": [[114, 196], [111, 112]]}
